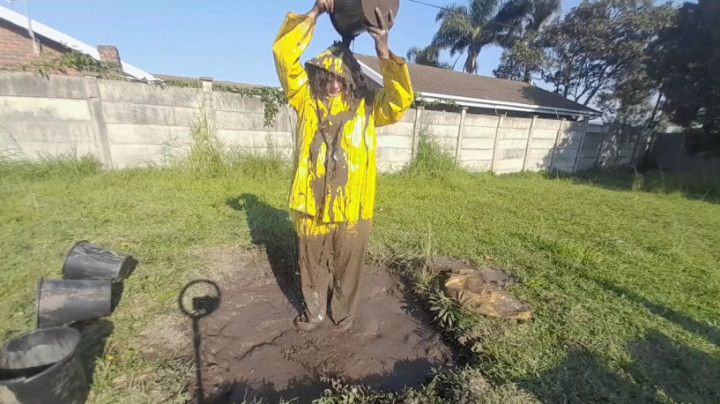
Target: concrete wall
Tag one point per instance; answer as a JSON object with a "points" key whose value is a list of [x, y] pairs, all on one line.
{"points": [[126, 124]]}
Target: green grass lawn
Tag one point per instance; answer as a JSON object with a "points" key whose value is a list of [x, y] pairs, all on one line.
{"points": [[625, 283]]}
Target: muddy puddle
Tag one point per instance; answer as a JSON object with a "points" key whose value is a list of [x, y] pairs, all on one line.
{"points": [[250, 349]]}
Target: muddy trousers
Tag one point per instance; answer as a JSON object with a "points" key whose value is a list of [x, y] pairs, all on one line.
{"points": [[332, 257]]}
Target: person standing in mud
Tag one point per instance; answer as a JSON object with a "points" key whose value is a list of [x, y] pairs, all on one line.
{"points": [[332, 196]]}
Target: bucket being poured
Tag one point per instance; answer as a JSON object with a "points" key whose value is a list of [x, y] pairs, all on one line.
{"points": [[91, 261], [43, 367], [62, 302], [353, 17]]}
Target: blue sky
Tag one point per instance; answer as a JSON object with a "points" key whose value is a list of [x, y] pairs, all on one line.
{"points": [[223, 39]]}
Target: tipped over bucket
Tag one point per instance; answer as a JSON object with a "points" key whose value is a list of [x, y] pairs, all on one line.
{"points": [[43, 367], [61, 302], [91, 261], [352, 17]]}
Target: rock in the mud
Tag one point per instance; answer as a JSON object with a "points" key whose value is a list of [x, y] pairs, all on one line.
{"points": [[496, 278], [458, 266], [483, 292]]}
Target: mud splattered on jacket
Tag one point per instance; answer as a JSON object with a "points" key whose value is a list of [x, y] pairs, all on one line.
{"points": [[335, 177]]}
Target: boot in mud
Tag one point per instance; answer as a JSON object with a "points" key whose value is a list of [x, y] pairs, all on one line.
{"points": [[303, 323], [344, 325]]}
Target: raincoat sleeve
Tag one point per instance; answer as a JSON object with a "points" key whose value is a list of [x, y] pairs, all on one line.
{"points": [[397, 95], [292, 40]]}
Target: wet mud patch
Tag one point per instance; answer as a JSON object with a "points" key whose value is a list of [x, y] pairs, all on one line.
{"points": [[249, 347]]}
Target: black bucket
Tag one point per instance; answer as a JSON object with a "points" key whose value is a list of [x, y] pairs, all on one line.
{"points": [[43, 367], [352, 17], [91, 261], [61, 302]]}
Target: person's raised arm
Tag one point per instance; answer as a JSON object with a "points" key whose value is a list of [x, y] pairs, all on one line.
{"points": [[292, 40], [397, 94]]}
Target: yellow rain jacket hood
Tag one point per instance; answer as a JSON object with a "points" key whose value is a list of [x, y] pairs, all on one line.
{"points": [[336, 59], [335, 173]]}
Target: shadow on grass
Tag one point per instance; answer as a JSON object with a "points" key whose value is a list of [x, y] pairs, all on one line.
{"points": [[272, 229], [626, 179], [660, 367], [684, 374], [95, 333], [583, 378], [710, 333], [93, 339]]}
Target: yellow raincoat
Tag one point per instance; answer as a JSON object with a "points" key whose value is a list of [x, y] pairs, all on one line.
{"points": [[353, 198]]}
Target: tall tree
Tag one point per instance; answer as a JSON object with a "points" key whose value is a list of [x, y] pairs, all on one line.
{"points": [[597, 55], [427, 56], [470, 28], [523, 52], [522, 59], [686, 61]]}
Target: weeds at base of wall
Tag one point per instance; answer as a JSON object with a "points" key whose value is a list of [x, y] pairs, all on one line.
{"points": [[260, 165], [208, 157], [432, 160], [49, 166], [206, 154], [658, 181], [695, 187]]}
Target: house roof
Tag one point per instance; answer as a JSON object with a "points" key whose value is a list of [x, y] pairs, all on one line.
{"points": [[435, 84], [67, 41]]}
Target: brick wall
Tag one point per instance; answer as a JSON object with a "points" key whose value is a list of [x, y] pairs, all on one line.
{"points": [[16, 47]]}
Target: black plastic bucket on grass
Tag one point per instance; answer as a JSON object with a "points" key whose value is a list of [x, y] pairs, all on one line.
{"points": [[91, 261], [43, 367], [353, 17], [61, 302]]}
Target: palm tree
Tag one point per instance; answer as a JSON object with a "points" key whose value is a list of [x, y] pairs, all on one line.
{"points": [[427, 56], [535, 15], [540, 14], [482, 22]]}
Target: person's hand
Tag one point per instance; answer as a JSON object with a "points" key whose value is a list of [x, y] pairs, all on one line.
{"points": [[321, 6], [380, 34]]}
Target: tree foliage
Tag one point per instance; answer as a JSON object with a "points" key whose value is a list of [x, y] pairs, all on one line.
{"points": [[596, 55], [599, 50], [523, 51], [520, 60], [469, 28], [686, 61]]}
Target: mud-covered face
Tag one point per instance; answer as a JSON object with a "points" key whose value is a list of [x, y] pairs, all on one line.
{"points": [[335, 86], [326, 85]]}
